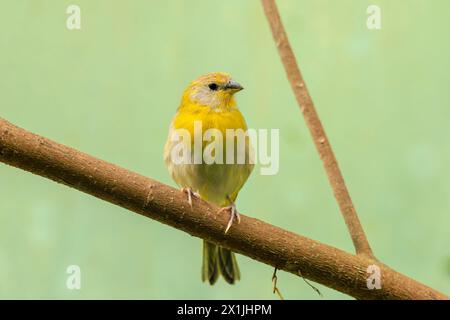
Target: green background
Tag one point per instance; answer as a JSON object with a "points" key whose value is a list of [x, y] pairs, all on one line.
{"points": [[111, 89]]}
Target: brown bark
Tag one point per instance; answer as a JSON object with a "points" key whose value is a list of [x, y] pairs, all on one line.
{"points": [[254, 238], [316, 129]]}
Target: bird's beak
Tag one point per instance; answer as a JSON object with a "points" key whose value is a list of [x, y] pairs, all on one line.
{"points": [[234, 86]]}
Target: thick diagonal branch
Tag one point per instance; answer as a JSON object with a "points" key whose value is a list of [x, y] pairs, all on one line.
{"points": [[317, 131], [256, 239]]}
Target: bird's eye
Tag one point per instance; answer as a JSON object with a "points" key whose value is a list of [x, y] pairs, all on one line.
{"points": [[213, 86]]}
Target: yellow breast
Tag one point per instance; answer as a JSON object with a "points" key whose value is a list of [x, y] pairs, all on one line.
{"points": [[218, 118], [214, 182]]}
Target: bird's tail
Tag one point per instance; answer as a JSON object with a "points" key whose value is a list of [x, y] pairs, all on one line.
{"points": [[219, 261]]}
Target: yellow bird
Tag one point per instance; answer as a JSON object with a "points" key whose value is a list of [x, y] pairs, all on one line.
{"points": [[209, 103]]}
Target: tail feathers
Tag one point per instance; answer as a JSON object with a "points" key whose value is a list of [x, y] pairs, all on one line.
{"points": [[228, 266], [210, 269], [219, 261]]}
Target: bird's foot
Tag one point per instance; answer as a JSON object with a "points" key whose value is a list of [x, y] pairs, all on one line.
{"points": [[234, 214], [190, 195]]}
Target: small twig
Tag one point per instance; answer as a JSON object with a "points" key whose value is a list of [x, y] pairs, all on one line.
{"points": [[274, 282], [310, 284], [317, 131]]}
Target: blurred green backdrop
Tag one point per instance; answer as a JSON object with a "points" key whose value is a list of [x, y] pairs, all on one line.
{"points": [[111, 89]]}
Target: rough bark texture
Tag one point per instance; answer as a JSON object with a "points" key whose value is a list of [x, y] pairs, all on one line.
{"points": [[256, 239], [314, 124]]}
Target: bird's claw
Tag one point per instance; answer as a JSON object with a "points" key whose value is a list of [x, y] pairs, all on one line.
{"points": [[234, 214], [190, 194]]}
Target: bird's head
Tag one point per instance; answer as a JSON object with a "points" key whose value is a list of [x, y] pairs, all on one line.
{"points": [[213, 90]]}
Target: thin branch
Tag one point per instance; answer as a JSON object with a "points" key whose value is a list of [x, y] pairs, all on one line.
{"points": [[256, 239], [309, 284], [274, 283], [316, 129]]}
